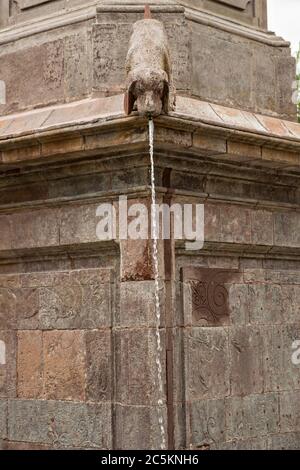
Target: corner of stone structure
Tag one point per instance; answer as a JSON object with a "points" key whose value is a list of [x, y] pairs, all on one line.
{"points": [[109, 338]]}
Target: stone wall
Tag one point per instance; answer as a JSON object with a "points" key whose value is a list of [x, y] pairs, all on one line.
{"points": [[241, 389], [81, 53], [251, 12], [77, 315]]}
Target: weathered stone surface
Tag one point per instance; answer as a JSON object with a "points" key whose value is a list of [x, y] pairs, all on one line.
{"points": [[68, 299], [60, 424], [207, 363], [3, 419], [269, 304], [166, 136], [17, 155], [227, 223], [283, 273], [290, 411], [5, 240], [243, 152], [238, 304], [262, 227], [287, 229], [30, 364], [207, 423], [136, 260], [99, 366], [289, 441], [136, 139], [252, 416], [280, 158], [246, 368], [209, 145], [253, 275], [280, 373], [76, 299], [137, 304], [136, 366], [33, 76], [35, 229], [235, 224], [221, 68], [265, 86], [8, 303], [8, 370], [248, 444], [138, 427], [27, 308], [63, 147], [10, 445], [285, 68], [240, 10], [77, 68], [193, 181], [180, 426], [64, 365], [78, 224]]}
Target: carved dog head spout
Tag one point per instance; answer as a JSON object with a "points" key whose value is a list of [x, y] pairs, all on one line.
{"points": [[149, 83]]}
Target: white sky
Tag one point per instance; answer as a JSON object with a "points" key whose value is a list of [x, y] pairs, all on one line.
{"points": [[284, 20]]}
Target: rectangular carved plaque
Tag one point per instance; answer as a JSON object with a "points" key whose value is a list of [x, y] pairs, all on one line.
{"points": [[208, 294]]}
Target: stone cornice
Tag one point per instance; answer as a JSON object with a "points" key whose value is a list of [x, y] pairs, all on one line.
{"points": [[89, 12], [100, 247], [197, 127], [241, 250], [161, 7], [224, 24], [203, 17], [47, 23]]}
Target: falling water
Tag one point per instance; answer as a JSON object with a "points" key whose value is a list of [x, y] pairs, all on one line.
{"points": [[154, 225]]}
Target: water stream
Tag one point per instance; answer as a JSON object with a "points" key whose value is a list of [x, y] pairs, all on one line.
{"points": [[155, 236]]}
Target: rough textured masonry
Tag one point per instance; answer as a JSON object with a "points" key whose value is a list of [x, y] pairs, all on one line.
{"points": [[77, 319]]}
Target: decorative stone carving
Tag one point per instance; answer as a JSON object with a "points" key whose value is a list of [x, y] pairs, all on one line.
{"points": [[210, 298], [209, 295], [149, 69]]}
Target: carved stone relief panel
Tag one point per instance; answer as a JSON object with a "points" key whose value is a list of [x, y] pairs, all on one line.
{"points": [[61, 323], [206, 294]]}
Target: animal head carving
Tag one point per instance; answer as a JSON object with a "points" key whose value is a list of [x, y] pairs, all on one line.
{"points": [[149, 85]]}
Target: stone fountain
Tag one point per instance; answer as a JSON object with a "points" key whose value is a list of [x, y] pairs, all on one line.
{"points": [[78, 323]]}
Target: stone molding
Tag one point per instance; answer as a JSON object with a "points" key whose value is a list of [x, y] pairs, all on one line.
{"points": [[89, 12], [106, 114], [48, 23], [242, 250], [249, 32]]}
